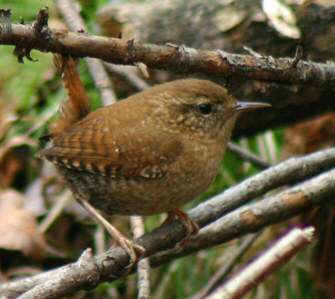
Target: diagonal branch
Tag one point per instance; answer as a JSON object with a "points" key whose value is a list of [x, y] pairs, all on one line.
{"points": [[254, 216], [274, 257], [111, 265], [247, 219]]}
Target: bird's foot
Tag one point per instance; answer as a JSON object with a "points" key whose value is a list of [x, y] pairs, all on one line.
{"points": [[191, 227], [134, 251]]}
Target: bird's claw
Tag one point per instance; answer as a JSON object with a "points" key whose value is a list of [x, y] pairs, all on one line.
{"points": [[135, 251]]}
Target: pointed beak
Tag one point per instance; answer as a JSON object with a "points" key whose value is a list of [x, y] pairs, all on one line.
{"points": [[243, 106]]}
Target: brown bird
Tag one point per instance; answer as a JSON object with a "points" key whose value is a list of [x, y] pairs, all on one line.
{"points": [[147, 154]]}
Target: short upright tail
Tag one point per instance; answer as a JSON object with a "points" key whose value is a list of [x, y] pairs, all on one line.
{"points": [[76, 106]]}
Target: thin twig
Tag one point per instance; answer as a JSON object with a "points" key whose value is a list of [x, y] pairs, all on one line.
{"points": [[143, 266], [129, 75], [247, 155], [99, 239], [277, 255], [223, 272], [297, 57], [56, 210], [271, 146], [96, 68]]}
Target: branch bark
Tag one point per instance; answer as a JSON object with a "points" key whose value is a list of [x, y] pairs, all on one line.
{"points": [[194, 61], [237, 26], [247, 219], [277, 255], [172, 57], [244, 220]]}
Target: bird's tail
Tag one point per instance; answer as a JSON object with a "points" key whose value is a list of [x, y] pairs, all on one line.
{"points": [[76, 106]]}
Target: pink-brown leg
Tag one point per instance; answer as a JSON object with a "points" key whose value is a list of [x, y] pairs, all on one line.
{"points": [[190, 226], [133, 250]]}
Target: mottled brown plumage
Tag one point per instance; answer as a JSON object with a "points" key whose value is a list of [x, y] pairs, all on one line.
{"points": [[151, 152]]}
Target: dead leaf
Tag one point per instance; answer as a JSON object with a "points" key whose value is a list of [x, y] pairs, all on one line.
{"points": [[11, 159], [18, 226], [310, 135], [229, 18], [281, 17]]}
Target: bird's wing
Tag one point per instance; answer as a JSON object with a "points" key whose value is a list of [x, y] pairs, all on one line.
{"points": [[93, 145]]}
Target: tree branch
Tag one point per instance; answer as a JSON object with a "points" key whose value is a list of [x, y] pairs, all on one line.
{"points": [[252, 217], [247, 155], [143, 266], [171, 57], [286, 109], [247, 219], [244, 220], [278, 254]]}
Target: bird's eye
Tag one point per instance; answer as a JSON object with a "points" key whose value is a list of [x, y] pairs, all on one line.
{"points": [[205, 108]]}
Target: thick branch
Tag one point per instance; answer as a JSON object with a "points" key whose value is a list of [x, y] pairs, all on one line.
{"points": [[231, 26], [111, 264], [287, 172], [252, 217], [244, 220], [171, 57], [215, 64]]}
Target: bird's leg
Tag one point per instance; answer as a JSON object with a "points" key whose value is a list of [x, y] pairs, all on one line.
{"points": [[191, 227], [133, 250]]}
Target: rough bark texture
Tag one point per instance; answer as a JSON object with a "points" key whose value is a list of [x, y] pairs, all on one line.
{"points": [[231, 25], [88, 271], [291, 102]]}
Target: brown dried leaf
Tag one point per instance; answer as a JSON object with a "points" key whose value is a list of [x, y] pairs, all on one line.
{"points": [[310, 135], [11, 161], [18, 226]]}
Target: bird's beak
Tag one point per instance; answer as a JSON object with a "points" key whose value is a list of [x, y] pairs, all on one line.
{"points": [[243, 106]]}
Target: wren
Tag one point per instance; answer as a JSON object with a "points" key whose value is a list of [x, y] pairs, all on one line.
{"points": [[150, 153]]}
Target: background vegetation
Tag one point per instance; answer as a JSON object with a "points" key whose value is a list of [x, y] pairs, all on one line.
{"points": [[30, 95]]}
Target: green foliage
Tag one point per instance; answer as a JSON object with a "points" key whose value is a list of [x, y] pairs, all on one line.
{"points": [[25, 9]]}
